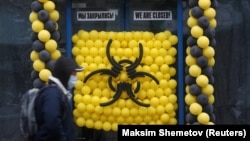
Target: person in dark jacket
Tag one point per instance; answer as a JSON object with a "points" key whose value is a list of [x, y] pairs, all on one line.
{"points": [[53, 110]]}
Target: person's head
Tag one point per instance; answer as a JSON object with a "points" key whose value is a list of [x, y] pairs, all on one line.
{"points": [[64, 69]]}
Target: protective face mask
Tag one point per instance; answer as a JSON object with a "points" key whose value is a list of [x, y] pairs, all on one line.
{"points": [[72, 82]]}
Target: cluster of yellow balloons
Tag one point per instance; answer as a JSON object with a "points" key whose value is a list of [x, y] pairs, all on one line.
{"points": [[159, 53], [44, 18], [200, 61]]}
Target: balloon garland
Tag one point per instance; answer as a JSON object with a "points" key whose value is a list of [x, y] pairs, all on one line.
{"points": [[43, 18], [200, 60]]}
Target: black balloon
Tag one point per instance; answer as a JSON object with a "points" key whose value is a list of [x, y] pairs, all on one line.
{"points": [[212, 117], [211, 79], [213, 42], [38, 83], [195, 51], [50, 65], [197, 12], [194, 90], [37, 45], [34, 36], [44, 55], [208, 108], [56, 35], [43, 15], [36, 6], [196, 123], [203, 22], [192, 3], [50, 25], [189, 80], [190, 118], [202, 61], [202, 99], [214, 3], [186, 69], [34, 75], [209, 32], [191, 41], [208, 71]]}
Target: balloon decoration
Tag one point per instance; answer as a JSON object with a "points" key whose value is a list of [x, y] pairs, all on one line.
{"points": [[129, 78], [200, 60], [45, 37]]}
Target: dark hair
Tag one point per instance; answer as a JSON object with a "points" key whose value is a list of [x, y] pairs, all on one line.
{"points": [[63, 68]]}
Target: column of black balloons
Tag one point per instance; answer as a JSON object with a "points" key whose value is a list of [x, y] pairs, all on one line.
{"points": [[45, 37], [199, 79]]}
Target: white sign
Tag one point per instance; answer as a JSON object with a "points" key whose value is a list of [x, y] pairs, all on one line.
{"points": [[96, 15], [152, 15]]}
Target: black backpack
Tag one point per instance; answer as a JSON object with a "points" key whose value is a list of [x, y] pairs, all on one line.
{"points": [[28, 124]]}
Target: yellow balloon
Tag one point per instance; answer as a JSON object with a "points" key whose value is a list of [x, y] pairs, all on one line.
{"points": [[89, 123], [172, 98], [34, 55], [114, 126], [203, 118], [33, 16], [202, 80], [103, 36], [204, 4], [79, 84], [213, 23], [80, 122], [81, 107], [210, 13], [169, 107], [209, 52], [98, 125], [55, 55], [203, 42], [191, 22], [208, 89], [172, 121], [195, 108], [196, 31], [95, 100], [189, 99], [164, 118], [44, 74], [90, 108], [93, 34], [195, 70], [154, 101], [44, 35], [190, 60], [173, 39], [86, 99], [54, 15], [38, 65], [51, 45], [75, 51], [161, 36], [107, 126], [49, 6], [125, 112], [77, 98], [75, 38], [37, 26]]}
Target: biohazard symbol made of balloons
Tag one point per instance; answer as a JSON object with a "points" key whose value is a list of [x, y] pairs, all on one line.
{"points": [[116, 69]]}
